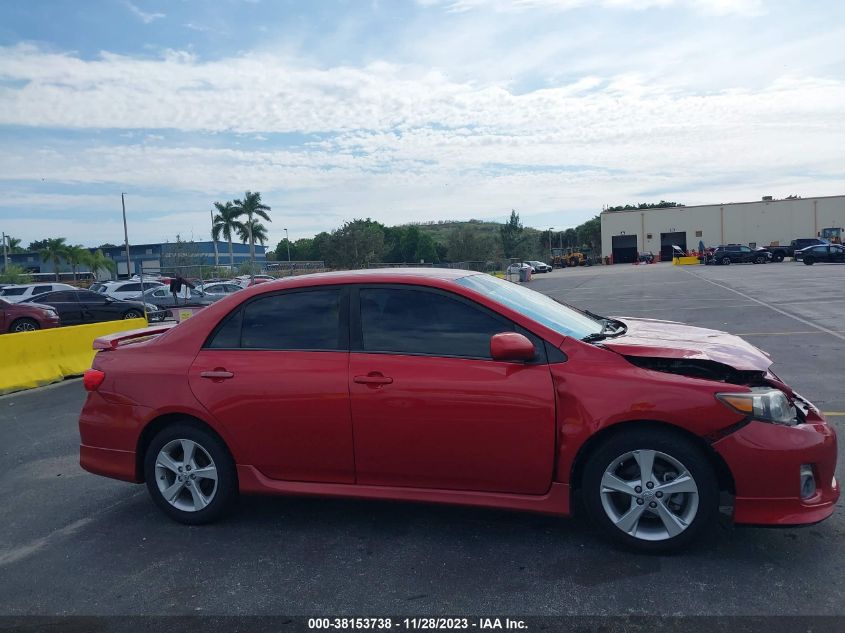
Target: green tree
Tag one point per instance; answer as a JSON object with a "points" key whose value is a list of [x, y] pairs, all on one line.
{"points": [[253, 230], [356, 244], [97, 262], [13, 244], [14, 274], [37, 245], [226, 223], [251, 207], [53, 251], [76, 255], [511, 235]]}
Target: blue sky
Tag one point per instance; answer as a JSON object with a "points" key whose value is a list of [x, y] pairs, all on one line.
{"points": [[410, 110]]}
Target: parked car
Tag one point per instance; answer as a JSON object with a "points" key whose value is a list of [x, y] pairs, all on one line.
{"points": [[246, 281], [128, 289], [26, 317], [83, 306], [539, 267], [514, 268], [740, 254], [163, 298], [452, 386], [828, 253], [219, 288], [779, 253], [646, 257], [21, 292]]}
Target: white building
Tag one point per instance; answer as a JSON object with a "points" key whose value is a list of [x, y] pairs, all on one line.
{"points": [[624, 233]]}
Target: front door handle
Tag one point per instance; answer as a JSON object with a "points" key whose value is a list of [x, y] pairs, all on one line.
{"points": [[217, 374], [373, 378]]}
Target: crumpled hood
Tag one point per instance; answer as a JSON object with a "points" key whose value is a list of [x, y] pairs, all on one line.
{"points": [[670, 339]]}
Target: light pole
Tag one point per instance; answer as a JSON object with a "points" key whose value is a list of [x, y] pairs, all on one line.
{"points": [[5, 254], [287, 239], [550, 242], [126, 239]]}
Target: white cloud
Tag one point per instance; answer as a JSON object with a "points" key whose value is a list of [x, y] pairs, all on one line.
{"points": [[715, 7], [145, 17]]}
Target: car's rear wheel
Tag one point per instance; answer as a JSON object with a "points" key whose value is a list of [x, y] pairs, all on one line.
{"points": [[24, 325], [190, 474], [809, 260], [132, 314], [777, 257], [650, 489], [726, 261]]}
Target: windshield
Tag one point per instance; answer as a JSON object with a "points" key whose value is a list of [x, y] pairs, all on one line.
{"points": [[534, 305]]}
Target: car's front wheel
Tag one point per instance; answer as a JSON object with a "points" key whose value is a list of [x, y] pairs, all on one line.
{"points": [[759, 260], [650, 489], [190, 474], [809, 261], [132, 314], [726, 261], [24, 325]]}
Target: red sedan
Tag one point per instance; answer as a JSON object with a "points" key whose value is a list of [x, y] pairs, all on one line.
{"points": [[455, 387], [26, 317]]}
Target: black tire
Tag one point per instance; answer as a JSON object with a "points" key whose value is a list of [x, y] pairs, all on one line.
{"points": [[667, 442], [809, 261], [24, 324], [725, 261], [759, 260], [133, 314], [226, 492], [777, 257]]}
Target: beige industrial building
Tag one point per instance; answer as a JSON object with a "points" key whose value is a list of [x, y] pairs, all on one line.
{"points": [[624, 233]]}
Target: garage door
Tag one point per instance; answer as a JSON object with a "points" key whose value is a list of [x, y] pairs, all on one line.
{"points": [[624, 249], [678, 238]]}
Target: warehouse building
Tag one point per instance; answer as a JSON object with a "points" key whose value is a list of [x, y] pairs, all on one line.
{"points": [[150, 258], [762, 223]]}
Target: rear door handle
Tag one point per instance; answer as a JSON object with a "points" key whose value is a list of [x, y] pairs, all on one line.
{"points": [[217, 374], [373, 378]]}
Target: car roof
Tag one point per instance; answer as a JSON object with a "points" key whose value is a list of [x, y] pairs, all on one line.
{"points": [[40, 283], [353, 276]]}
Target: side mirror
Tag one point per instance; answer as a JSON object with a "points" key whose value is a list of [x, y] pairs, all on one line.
{"points": [[511, 346]]}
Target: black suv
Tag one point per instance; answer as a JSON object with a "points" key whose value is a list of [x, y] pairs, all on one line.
{"points": [[740, 254]]}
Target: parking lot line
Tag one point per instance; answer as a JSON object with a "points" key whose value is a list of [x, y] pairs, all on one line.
{"points": [[777, 333], [768, 305]]}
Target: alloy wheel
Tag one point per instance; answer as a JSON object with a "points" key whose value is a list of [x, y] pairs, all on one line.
{"points": [[186, 475], [25, 326], [649, 495]]}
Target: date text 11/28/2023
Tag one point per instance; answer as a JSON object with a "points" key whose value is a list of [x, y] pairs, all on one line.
{"points": [[423, 623]]}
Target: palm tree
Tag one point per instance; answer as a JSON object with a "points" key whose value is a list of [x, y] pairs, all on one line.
{"points": [[256, 229], [251, 206], [75, 255], [14, 244], [54, 250], [226, 222], [96, 261]]}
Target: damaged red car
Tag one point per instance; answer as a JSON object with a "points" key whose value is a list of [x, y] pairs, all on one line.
{"points": [[451, 386]]}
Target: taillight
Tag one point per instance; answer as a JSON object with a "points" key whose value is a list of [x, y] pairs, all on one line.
{"points": [[92, 379]]}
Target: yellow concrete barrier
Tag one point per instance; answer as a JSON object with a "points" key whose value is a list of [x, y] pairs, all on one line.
{"points": [[32, 359], [685, 261]]}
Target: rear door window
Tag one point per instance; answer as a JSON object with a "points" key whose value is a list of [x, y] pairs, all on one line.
{"points": [[301, 320]]}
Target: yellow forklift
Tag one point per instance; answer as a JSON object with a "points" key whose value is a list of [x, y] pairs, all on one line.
{"points": [[832, 235]]}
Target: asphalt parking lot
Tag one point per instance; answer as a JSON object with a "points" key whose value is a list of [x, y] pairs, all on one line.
{"points": [[74, 543]]}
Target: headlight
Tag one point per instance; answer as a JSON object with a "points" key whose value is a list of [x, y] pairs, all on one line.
{"points": [[762, 403]]}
